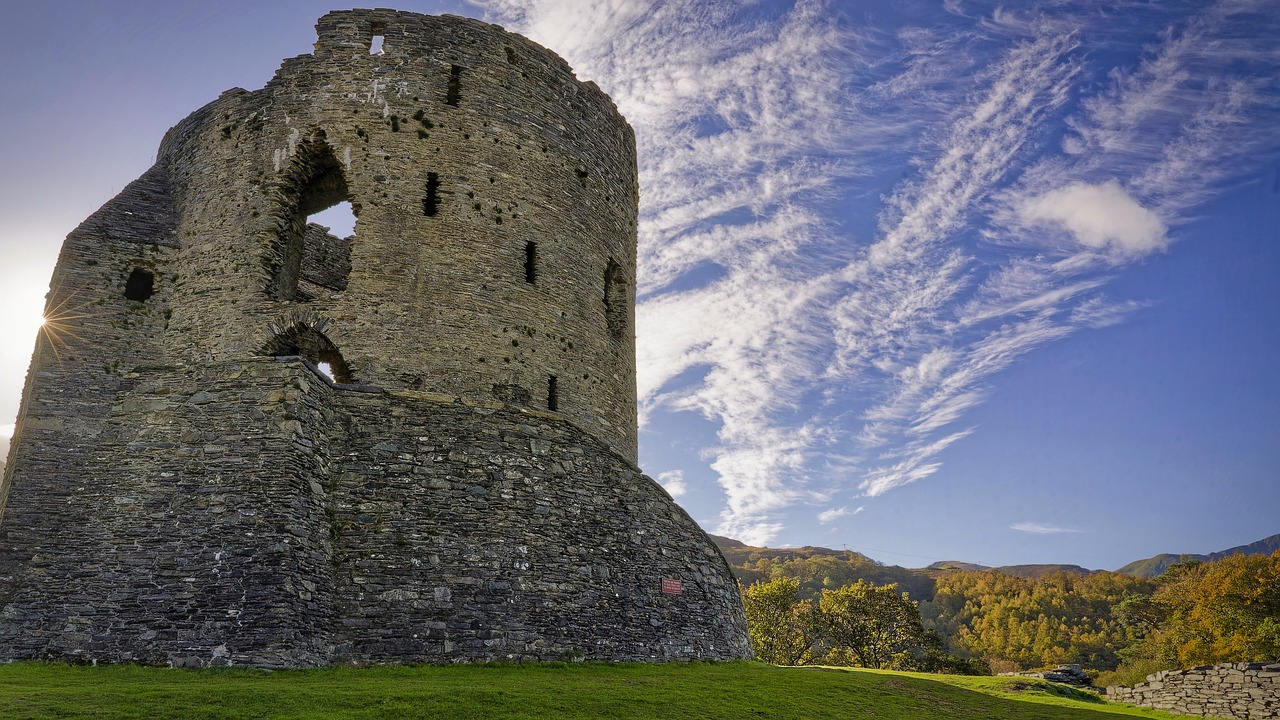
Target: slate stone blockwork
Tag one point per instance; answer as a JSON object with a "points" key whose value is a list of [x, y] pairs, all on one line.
{"points": [[185, 486], [1247, 691]]}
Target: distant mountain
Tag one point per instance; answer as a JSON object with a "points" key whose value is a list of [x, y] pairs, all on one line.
{"points": [[956, 565], [1033, 572], [1155, 566], [838, 566], [1030, 572], [818, 567]]}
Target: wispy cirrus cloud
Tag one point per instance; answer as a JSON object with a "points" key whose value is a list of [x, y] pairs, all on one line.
{"points": [[896, 318], [838, 362], [829, 516], [1037, 528], [1047, 296]]}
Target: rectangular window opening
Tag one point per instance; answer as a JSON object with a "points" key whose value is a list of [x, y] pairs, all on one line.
{"points": [[378, 34], [455, 85], [531, 262], [553, 399], [431, 202]]}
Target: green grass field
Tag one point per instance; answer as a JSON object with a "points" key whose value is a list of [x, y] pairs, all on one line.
{"points": [[578, 690]]}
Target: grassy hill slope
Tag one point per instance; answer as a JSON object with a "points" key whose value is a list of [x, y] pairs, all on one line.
{"points": [[732, 690]]}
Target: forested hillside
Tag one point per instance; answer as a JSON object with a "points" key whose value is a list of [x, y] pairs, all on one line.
{"points": [[1018, 623], [818, 567], [803, 603]]}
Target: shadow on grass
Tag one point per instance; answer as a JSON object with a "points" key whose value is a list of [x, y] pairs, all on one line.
{"points": [[1054, 689]]}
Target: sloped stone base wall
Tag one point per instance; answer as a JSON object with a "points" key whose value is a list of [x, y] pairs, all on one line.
{"points": [[250, 513], [1248, 691]]}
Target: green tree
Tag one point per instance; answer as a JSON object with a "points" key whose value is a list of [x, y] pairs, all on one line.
{"points": [[783, 627], [872, 626]]}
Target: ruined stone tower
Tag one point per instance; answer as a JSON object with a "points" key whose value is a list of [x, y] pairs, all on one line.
{"points": [[186, 486]]}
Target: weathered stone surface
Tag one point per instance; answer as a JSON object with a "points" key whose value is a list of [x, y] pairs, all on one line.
{"points": [[1230, 690], [185, 487], [1070, 674]]}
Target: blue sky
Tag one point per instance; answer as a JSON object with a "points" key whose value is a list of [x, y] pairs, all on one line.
{"points": [[942, 280]]}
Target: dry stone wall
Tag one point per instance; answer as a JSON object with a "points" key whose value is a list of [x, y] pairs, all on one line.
{"points": [[187, 486], [1248, 691]]}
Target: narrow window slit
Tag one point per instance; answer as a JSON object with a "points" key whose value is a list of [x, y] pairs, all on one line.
{"points": [[140, 286], [531, 262], [432, 202], [553, 399], [455, 85], [615, 300]]}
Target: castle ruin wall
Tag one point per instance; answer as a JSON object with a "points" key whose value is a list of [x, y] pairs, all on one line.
{"points": [[244, 440]]}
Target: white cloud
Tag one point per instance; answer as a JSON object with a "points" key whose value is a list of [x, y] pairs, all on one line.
{"points": [[1100, 217], [800, 340], [1041, 528], [673, 482], [1097, 312], [827, 516]]}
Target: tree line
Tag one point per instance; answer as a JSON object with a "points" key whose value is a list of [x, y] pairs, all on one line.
{"points": [[815, 606]]}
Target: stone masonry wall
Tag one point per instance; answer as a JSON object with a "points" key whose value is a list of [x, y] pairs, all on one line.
{"points": [[261, 516], [493, 192], [1248, 691], [185, 486]]}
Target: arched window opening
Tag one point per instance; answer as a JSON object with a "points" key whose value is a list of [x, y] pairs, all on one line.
{"points": [[616, 300], [140, 286], [309, 343], [326, 370], [308, 258]]}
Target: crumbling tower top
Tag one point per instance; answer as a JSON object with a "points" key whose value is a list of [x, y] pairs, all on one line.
{"points": [[494, 250]]}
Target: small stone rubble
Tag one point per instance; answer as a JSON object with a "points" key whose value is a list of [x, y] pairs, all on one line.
{"points": [[1247, 691], [1067, 674]]}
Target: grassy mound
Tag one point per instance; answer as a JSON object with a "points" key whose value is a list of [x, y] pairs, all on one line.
{"points": [[579, 690]]}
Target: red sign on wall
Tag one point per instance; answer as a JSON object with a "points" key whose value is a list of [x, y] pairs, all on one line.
{"points": [[671, 586]]}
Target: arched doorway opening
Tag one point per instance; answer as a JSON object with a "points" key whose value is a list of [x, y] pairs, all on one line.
{"points": [[307, 342]]}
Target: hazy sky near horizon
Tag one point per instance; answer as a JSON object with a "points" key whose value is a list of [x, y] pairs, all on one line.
{"points": [[944, 280]]}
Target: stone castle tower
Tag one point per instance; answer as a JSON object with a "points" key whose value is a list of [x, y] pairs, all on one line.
{"points": [[187, 486]]}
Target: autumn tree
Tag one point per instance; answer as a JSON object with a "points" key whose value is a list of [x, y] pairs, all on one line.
{"points": [[1020, 623], [1227, 610], [872, 626], [783, 627]]}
